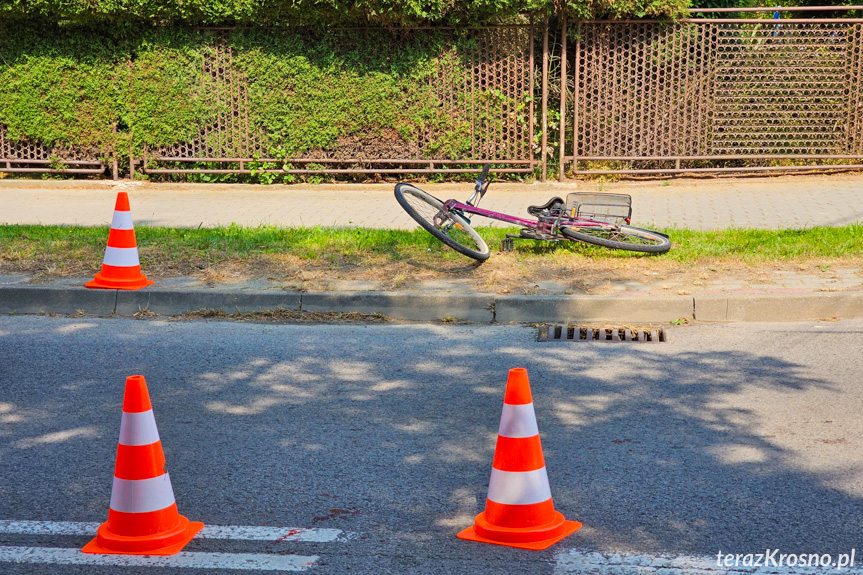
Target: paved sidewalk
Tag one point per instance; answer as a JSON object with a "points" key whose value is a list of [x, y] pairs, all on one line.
{"points": [[796, 201]]}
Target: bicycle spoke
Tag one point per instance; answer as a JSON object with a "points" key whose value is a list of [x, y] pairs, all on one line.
{"points": [[426, 211], [451, 228], [622, 238]]}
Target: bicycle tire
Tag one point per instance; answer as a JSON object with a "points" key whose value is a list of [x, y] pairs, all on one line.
{"points": [[627, 238], [455, 231]]}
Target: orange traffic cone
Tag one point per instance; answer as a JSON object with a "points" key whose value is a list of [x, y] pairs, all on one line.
{"points": [[121, 268], [143, 517], [519, 511]]}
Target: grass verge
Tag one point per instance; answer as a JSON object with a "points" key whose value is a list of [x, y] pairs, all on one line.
{"points": [[306, 258]]}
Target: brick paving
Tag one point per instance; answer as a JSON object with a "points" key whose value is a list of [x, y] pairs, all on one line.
{"points": [[796, 201]]}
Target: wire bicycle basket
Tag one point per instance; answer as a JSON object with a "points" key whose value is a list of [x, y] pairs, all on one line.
{"points": [[611, 208]]}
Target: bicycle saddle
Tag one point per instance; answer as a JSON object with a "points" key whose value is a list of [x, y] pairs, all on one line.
{"points": [[554, 203]]}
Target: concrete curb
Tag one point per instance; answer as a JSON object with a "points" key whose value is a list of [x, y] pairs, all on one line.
{"points": [[56, 299], [481, 308], [176, 302], [549, 308], [779, 307], [405, 305]]}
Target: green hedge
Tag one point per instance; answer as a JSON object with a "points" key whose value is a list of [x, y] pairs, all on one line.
{"points": [[93, 77], [324, 12], [307, 91], [93, 93], [72, 87]]}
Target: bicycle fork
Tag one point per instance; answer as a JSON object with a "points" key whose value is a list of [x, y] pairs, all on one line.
{"points": [[442, 221]]}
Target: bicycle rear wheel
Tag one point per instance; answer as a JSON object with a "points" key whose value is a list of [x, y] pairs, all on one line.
{"points": [[452, 229], [622, 237]]}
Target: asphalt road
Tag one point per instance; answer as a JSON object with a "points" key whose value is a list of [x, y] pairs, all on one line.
{"points": [[378, 440]]}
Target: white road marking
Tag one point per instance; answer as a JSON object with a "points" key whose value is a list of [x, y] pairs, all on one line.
{"points": [[48, 528], [238, 532], [272, 533], [183, 559], [615, 564], [186, 559]]}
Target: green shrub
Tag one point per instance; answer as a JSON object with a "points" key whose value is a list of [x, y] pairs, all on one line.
{"points": [[165, 100], [306, 91], [323, 13], [93, 77], [69, 87], [60, 88], [312, 91]]}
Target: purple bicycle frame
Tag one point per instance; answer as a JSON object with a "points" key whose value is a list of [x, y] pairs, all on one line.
{"points": [[537, 224]]}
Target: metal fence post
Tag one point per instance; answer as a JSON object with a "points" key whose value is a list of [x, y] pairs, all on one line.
{"points": [[532, 87], [562, 135], [115, 171], [575, 102], [544, 149]]}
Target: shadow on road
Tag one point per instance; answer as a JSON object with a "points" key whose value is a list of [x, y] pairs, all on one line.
{"points": [[378, 428]]}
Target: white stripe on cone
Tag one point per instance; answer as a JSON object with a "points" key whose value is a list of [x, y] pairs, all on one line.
{"points": [[518, 421], [519, 487], [142, 495], [121, 257], [122, 221], [138, 428]]}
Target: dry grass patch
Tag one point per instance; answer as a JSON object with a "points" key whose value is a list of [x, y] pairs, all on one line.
{"points": [[320, 259]]}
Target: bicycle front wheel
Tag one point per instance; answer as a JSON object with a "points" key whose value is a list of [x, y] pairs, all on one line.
{"points": [[627, 238], [450, 228]]}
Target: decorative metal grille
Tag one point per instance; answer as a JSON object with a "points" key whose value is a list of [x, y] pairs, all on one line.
{"points": [[30, 157], [641, 90], [855, 99], [655, 97], [780, 89], [638, 97], [487, 83]]}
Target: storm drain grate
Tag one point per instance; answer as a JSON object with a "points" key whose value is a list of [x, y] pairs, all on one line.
{"points": [[615, 334]]}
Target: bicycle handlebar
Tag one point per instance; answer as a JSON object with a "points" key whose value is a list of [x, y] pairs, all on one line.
{"points": [[481, 186], [484, 174]]}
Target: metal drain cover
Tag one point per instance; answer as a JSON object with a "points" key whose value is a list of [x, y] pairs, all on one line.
{"points": [[615, 334]]}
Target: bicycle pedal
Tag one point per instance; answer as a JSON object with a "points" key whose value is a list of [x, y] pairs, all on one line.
{"points": [[507, 245]]}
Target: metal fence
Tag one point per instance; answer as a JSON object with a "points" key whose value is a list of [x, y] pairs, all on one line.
{"points": [[714, 95], [489, 92], [699, 94], [24, 156]]}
